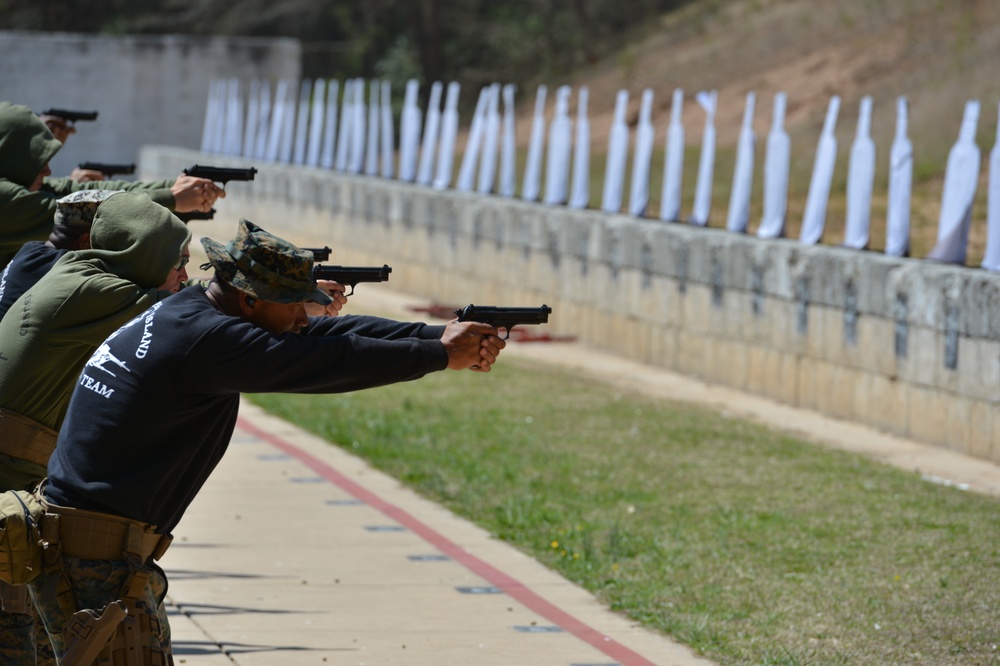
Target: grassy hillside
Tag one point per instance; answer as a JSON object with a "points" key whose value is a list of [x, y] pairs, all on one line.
{"points": [[938, 53]]}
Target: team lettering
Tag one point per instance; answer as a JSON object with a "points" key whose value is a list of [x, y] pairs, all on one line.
{"points": [[92, 384]]}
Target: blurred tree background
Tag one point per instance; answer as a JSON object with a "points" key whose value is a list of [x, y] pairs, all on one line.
{"points": [[936, 54], [474, 42]]}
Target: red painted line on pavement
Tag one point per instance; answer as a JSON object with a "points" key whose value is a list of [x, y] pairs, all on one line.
{"points": [[497, 578]]}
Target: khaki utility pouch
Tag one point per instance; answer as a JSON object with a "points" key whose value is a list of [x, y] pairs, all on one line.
{"points": [[20, 537]]}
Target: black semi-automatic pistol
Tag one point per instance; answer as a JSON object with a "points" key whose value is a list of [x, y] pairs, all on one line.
{"points": [[349, 275], [504, 317], [319, 253], [69, 115], [220, 174], [352, 275], [196, 215], [108, 169]]}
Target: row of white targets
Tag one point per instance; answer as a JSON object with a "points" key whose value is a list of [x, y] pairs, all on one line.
{"points": [[322, 128]]}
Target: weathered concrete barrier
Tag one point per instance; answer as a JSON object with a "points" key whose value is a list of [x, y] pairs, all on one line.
{"points": [[160, 84], [909, 346]]}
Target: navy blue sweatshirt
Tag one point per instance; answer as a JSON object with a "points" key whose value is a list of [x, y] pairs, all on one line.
{"points": [[31, 262], [156, 405]]}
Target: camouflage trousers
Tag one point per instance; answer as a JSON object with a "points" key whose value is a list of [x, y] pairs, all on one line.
{"points": [[97, 583], [23, 641]]}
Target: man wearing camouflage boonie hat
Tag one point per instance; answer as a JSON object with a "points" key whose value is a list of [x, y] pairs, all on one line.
{"points": [[70, 231], [264, 266], [140, 447]]}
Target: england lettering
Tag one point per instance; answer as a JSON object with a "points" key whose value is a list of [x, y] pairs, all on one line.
{"points": [[147, 337]]}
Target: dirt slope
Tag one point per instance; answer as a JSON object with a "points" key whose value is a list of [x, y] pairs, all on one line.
{"points": [[937, 53]]}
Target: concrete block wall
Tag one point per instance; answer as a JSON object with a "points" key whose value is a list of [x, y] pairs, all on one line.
{"points": [[909, 346], [142, 86]]}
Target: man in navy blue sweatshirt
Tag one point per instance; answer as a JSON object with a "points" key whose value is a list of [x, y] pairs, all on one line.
{"points": [[157, 403]]}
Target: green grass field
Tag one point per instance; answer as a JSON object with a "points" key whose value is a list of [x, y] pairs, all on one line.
{"points": [[747, 544]]}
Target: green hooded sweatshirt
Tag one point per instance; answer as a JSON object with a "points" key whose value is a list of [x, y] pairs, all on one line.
{"points": [[26, 146], [51, 331]]}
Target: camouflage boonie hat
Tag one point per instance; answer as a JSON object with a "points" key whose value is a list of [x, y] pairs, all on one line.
{"points": [[264, 266], [78, 208]]}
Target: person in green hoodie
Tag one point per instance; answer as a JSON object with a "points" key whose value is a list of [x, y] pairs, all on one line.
{"points": [[62, 129], [28, 196], [137, 254]]}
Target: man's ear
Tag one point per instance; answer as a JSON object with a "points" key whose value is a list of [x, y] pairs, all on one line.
{"points": [[83, 242], [247, 304]]}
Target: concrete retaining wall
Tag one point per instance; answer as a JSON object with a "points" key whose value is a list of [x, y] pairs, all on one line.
{"points": [[142, 86], [911, 347]]}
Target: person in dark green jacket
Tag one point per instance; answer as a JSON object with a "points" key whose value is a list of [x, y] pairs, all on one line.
{"points": [[28, 196], [62, 129], [137, 254]]}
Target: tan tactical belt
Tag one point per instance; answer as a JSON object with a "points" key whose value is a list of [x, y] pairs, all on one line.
{"points": [[91, 535], [21, 437]]}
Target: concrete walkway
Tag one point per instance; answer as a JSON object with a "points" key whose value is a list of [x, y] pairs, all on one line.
{"points": [[299, 553]]}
